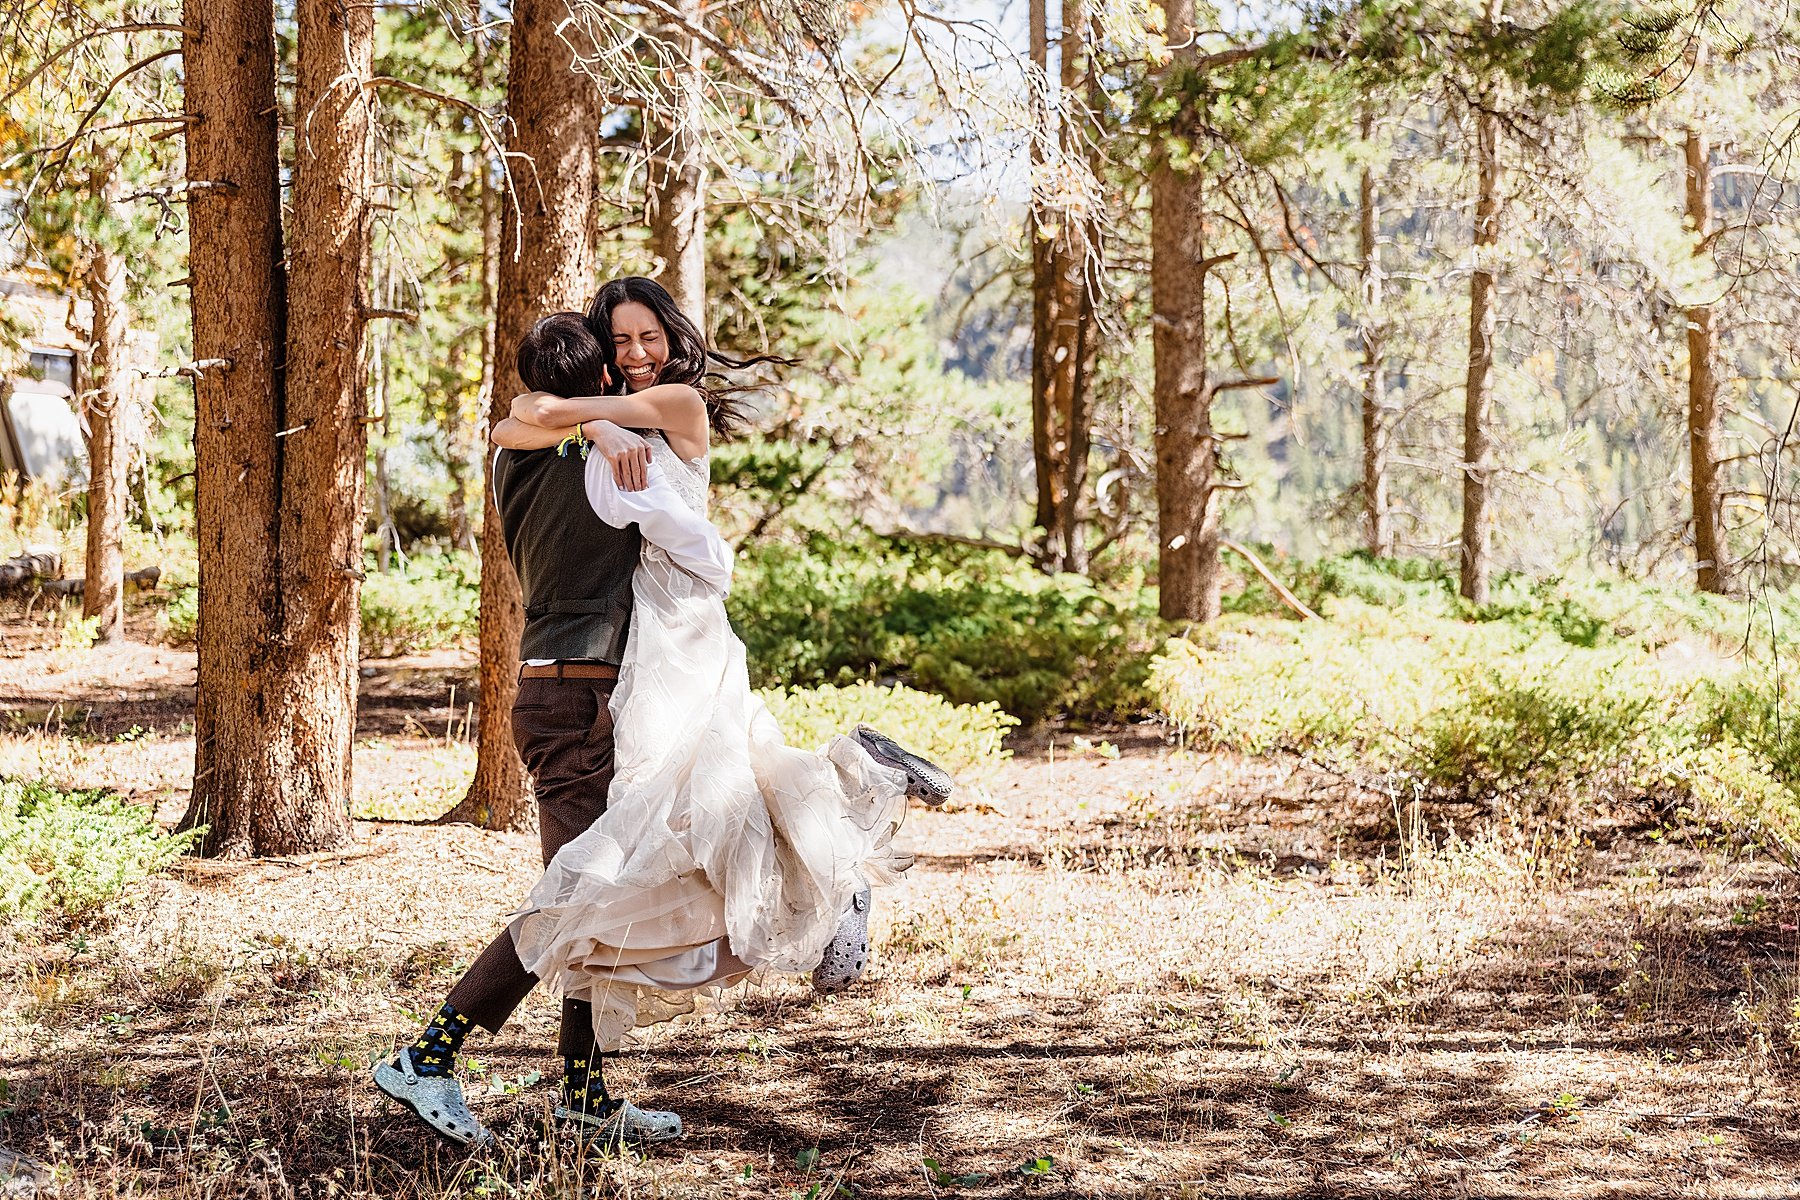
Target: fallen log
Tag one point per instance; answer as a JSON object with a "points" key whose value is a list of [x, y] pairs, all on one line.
{"points": [[1281, 590], [145, 579], [29, 567]]}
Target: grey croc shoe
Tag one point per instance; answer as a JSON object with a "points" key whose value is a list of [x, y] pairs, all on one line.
{"points": [[628, 1125], [924, 778], [436, 1100], [848, 951]]}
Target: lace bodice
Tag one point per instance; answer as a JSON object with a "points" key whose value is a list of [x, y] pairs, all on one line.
{"points": [[689, 478]]}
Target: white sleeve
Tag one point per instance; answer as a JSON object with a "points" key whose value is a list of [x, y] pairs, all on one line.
{"points": [[665, 520]]}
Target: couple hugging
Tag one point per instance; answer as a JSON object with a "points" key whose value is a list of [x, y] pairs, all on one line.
{"points": [[685, 845]]}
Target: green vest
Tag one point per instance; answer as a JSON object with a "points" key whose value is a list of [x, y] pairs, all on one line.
{"points": [[574, 570]]}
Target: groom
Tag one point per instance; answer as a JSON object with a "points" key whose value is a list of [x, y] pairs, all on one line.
{"points": [[575, 576]]}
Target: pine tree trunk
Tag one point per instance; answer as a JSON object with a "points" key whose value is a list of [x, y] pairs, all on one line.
{"points": [[1377, 523], [1188, 574], [456, 455], [110, 392], [384, 513], [678, 193], [462, 531], [324, 444], [1478, 400], [1043, 290], [239, 295], [1712, 562], [551, 119], [1077, 341]]}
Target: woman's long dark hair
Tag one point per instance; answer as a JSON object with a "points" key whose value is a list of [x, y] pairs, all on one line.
{"points": [[689, 356]]}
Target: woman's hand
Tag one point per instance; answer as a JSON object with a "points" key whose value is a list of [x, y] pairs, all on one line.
{"points": [[628, 453]]}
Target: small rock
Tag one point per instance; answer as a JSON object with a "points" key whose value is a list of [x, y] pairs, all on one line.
{"points": [[22, 1176]]}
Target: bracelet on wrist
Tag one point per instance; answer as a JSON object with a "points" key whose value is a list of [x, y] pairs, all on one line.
{"points": [[577, 440]]}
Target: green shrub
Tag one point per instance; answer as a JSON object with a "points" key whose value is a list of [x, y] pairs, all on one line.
{"points": [[808, 615], [71, 852], [972, 625], [1590, 612], [1353, 690], [964, 739], [433, 600], [1416, 584], [1733, 783], [180, 616], [1491, 711], [1761, 717], [1534, 727]]}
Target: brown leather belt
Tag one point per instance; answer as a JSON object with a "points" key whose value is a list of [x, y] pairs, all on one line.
{"points": [[569, 670]]}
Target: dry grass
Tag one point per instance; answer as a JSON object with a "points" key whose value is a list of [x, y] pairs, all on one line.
{"points": [[1166, 974]]}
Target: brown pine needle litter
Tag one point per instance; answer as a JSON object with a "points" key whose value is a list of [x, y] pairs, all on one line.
{"points": [[1140, 971]]}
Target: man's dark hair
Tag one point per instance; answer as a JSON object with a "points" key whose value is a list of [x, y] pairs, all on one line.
{"points": [[562, 356]]}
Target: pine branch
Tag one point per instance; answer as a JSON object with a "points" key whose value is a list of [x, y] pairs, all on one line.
{"points": [[133, 27]]}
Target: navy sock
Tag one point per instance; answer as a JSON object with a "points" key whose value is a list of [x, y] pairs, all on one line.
{"points": [[584, 1088], [434, 1053]]}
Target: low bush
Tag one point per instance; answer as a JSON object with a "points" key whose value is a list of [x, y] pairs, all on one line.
{"points": [[1353, 691], [964, 739], [1538, 726], [71, 852], [973, 625], [432, 600], [1590, 612], [1504, 712]]}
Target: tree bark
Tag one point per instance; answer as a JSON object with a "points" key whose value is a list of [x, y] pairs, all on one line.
{"points": [[1043, 281], [324, 440], [1377, 522], [1712, 561], [1478, 400], [239, 300], [546, 264], [462, 533], [107, 403], [1188, 572], [385, 539], [677, 193], [1063, 346], [1078, 339]]}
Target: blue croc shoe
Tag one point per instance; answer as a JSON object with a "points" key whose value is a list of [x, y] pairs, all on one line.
{"points": [[924, 778], [436, 1100], [847, 954], [626, 1125]]}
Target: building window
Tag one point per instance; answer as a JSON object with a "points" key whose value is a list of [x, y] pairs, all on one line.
{"points": [[53, 366]]}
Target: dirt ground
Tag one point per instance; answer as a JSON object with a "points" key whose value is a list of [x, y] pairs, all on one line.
{"points": [[1134, 970]]}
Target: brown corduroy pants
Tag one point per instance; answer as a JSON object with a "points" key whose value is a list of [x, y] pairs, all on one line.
{"points": [[564, 732]]}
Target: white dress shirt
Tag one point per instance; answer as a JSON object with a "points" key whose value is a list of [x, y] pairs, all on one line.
{"points": [[665, 519]]}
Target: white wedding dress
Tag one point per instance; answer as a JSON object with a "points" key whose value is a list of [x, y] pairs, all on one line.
{"points": [[722, 849]]}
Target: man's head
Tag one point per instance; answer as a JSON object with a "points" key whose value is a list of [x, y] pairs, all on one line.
{"points": [[562, 356]]}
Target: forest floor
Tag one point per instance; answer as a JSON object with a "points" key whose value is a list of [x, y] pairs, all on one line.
{"points": [[1162, 974]]}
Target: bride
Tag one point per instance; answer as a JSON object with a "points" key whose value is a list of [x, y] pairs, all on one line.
{"points": [[722, 850]]}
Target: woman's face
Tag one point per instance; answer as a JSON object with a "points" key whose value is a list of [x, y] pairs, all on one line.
{"points": [[640, 344]]}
